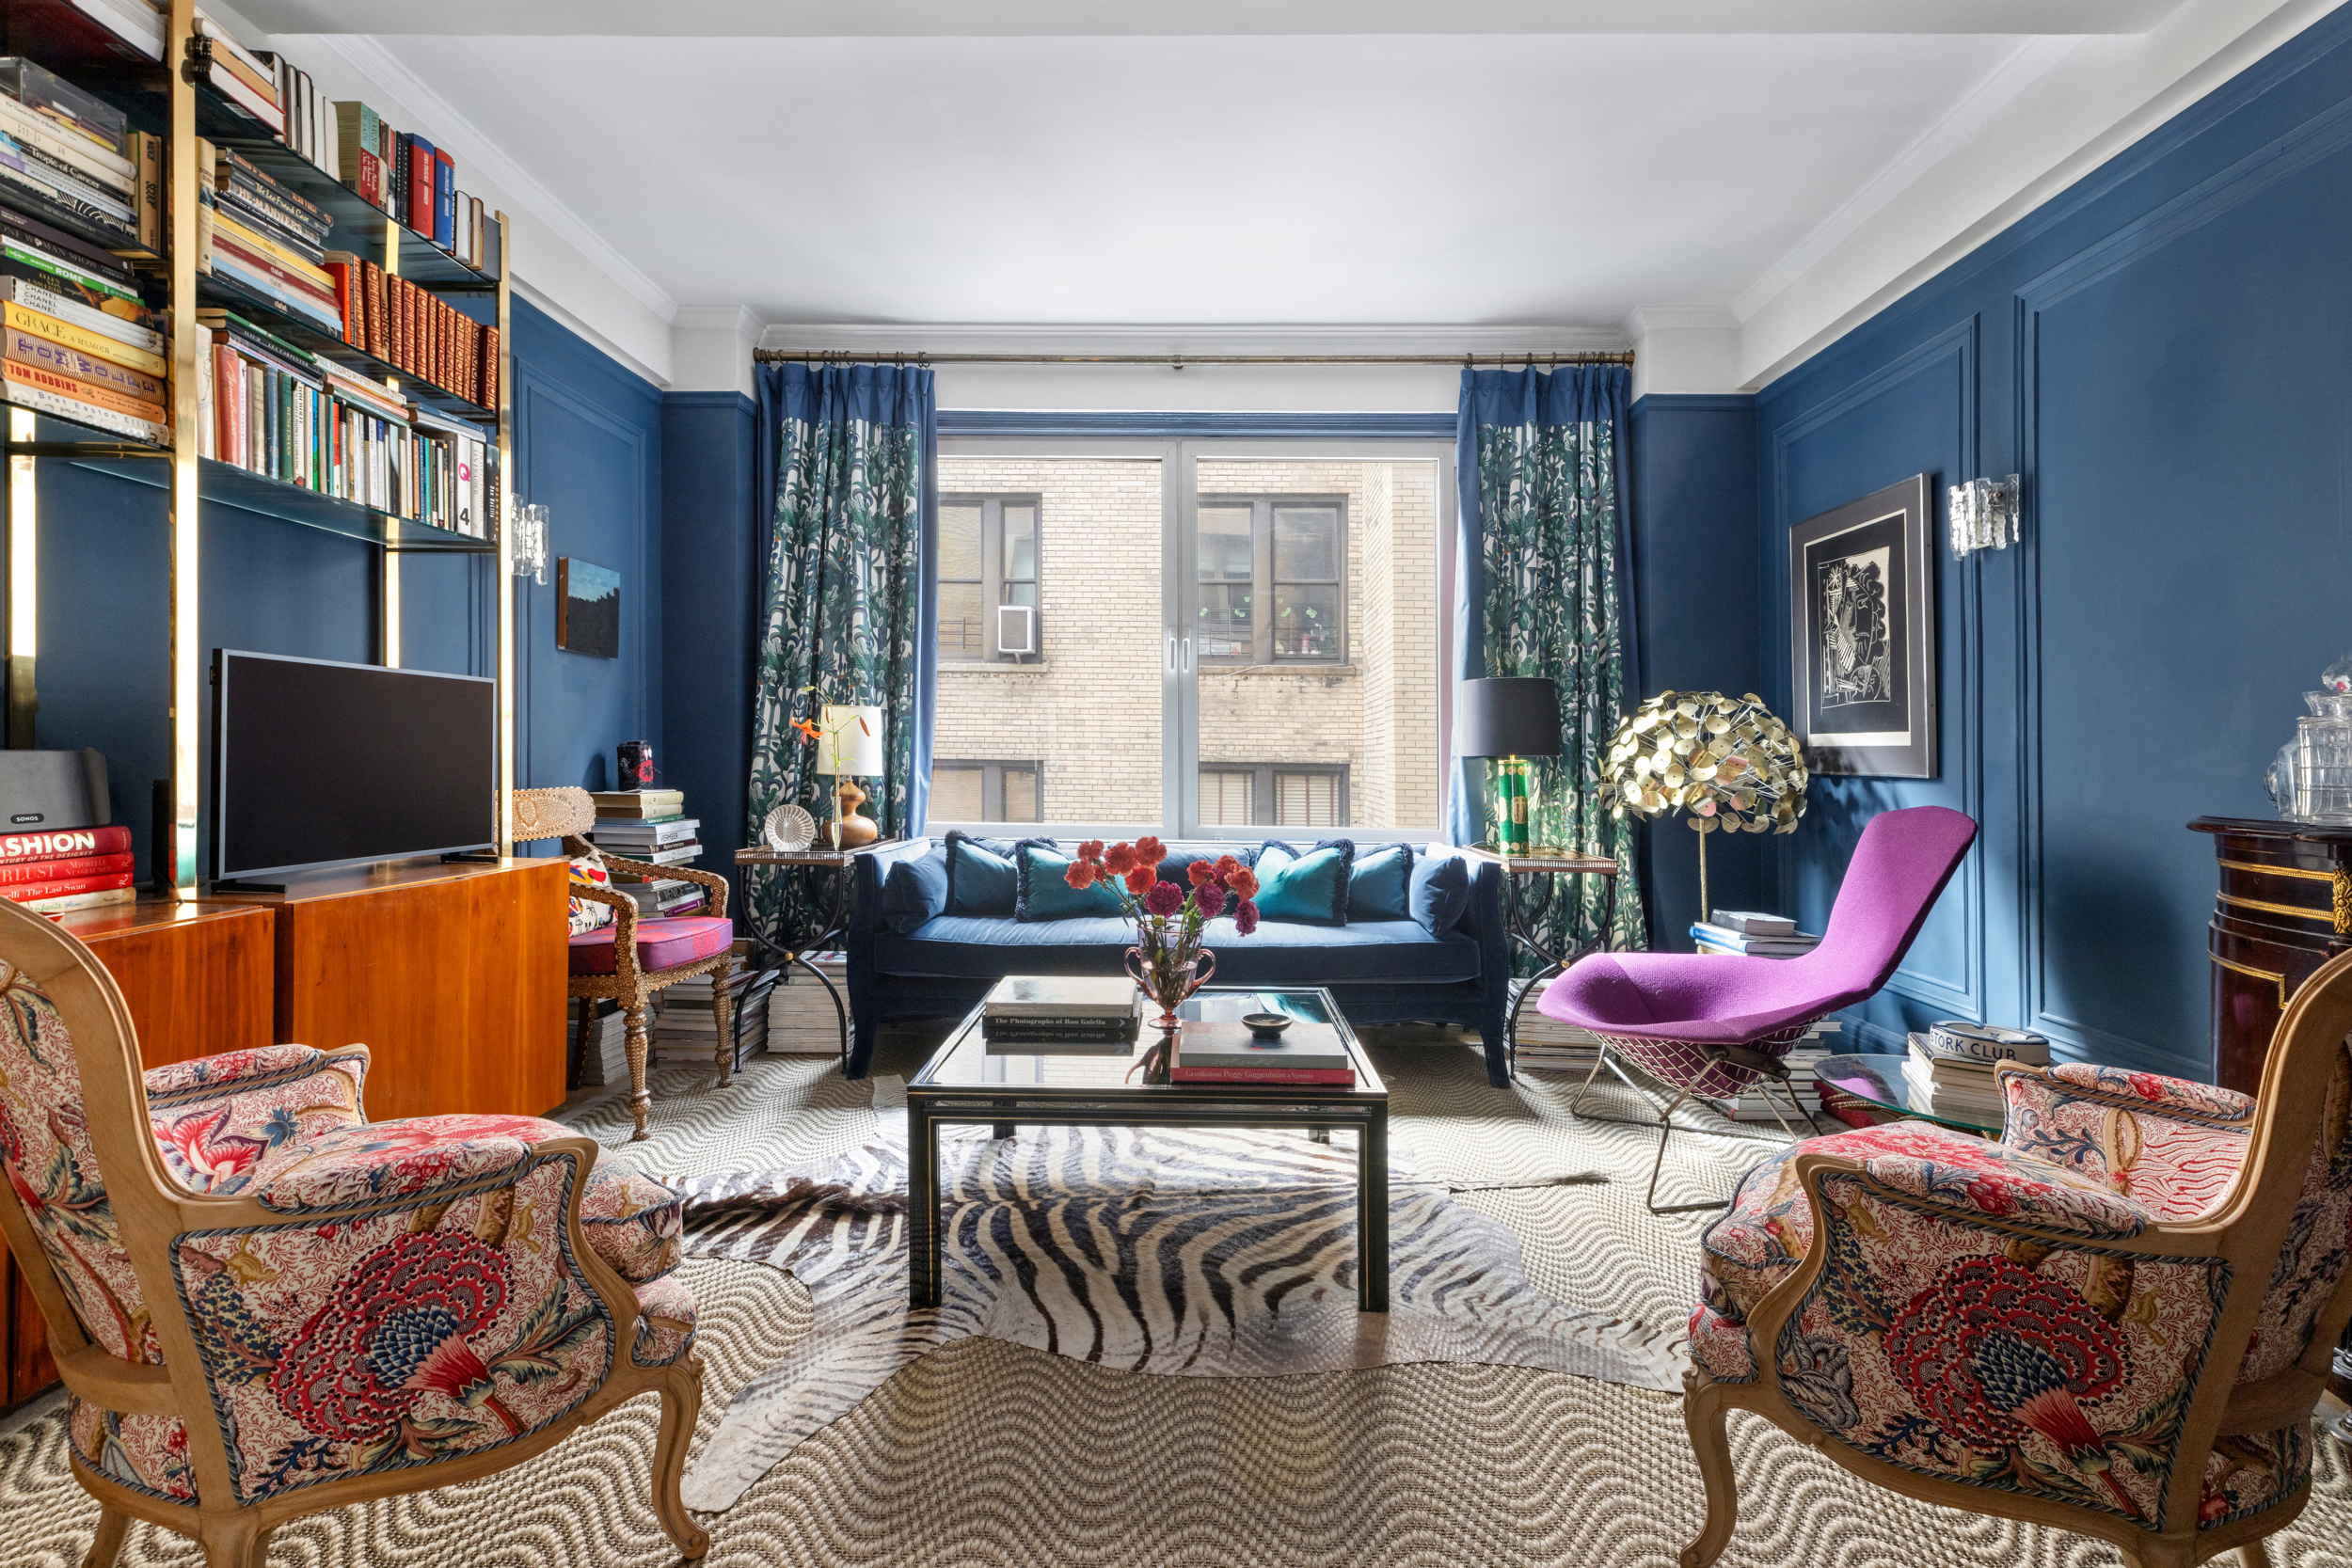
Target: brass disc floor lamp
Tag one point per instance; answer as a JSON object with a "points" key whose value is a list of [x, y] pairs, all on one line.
{"points": [[1509, 719]]}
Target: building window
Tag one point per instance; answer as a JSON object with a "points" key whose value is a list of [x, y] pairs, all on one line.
{"points": [[987, 558], [1273, 795], [986, 792], [1273, 579]]}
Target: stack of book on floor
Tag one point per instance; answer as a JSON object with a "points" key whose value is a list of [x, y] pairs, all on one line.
{"points": [[81, 343], [1061, 1012], [686, 1027], [801, 1017], [70, 159], [605, 1057], [1547, 1045], [1951, 1068], [71, 868], [650, 826], [1804, 1059], [1221, 1049], [1739, 932]]}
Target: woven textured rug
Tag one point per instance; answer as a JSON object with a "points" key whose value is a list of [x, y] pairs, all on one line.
{"points": [[1183, 1252], [991, 1453]]}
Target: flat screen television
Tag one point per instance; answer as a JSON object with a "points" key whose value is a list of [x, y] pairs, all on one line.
{"points": [[320, 764]]}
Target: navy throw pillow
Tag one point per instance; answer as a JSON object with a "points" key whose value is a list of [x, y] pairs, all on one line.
{"points": [[1380, 886], [1308, 889], [980, 880], [1046, 894], [915, 889], [1440, 889]]}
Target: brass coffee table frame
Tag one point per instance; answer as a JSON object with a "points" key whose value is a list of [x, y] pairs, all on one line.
{"points": [[1363, 1108]]}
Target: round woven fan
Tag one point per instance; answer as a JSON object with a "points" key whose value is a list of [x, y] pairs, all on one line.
{"points": [[789, 827]]}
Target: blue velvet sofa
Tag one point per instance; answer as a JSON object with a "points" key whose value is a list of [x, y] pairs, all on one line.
{"points": [[910, 958]]}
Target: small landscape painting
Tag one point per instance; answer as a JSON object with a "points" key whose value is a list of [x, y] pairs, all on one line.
{"points": [[587, 608]]}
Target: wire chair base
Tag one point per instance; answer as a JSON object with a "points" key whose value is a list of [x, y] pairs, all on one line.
{"points": [[1666, 1127]]}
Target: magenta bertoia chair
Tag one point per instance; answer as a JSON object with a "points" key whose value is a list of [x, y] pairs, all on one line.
{"points": [[1707, 1026]]}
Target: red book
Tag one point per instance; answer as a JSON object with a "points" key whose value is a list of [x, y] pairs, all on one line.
{"points": [[371, 179], [25, 892], [340, 273], [64, 843], [419, 215], [65, 870], [1340, 1077]]}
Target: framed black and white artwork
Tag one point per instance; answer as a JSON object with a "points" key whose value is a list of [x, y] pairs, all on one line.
{"points": [[1861, 626]]}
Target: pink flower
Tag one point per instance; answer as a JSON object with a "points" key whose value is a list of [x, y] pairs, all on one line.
{"points": [[1164, 899], [1246, 917]]}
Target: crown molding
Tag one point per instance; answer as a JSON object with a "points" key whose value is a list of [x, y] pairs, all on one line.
{"points": [[975, 338], [368, 56], [1647, 319], [717, 318], [1958, 125]]}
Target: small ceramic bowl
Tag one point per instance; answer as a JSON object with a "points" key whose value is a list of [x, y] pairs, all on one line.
{"points": [[1266, 1026]]}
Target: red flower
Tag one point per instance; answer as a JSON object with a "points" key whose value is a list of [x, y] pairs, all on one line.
{"points": [[1081, 874], [1246, 917], [1226, 867], [1201, 873], [1243, 881], [1150, 852], [1164, 899], [1091, 849], [1140, 880], [1120, 860]]}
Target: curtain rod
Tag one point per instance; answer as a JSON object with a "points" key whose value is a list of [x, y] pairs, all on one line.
{"points": [[1177, 361]]}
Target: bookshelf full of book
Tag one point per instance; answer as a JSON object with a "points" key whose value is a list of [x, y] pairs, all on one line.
{"points": [[218, 283]]}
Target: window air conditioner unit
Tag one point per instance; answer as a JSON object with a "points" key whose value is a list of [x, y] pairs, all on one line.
{"points": [[1016, 629]]}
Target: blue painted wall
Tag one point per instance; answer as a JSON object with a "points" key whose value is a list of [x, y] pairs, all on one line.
{"points": [[2161, 352], [708, 448], [1692, 508], [588, 441]]}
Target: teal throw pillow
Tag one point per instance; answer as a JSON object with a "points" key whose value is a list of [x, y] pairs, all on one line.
{"points": [[980, 877], [1046, 894], [1380, 886], [1308, 889]]}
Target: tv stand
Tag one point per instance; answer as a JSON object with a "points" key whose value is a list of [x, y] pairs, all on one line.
{"points": [[233, 886]]}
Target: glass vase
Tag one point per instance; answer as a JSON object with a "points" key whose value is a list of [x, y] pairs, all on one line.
{"points": [[1168, 963]]}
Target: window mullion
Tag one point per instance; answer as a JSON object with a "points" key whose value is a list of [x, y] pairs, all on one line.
{"points": [[992, 574], [1262, 581]]}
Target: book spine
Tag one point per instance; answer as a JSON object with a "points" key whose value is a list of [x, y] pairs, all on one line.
{"points": [[243, 95], [63, 844], [418, 215], [49, 201], [25, 892], [81, 338], [65, 870], [92, 400], [285, 257], [444, 200], [29, 126], [148, 195], [1335, 1076], [70, 902], [47, 354], [21, 254]]}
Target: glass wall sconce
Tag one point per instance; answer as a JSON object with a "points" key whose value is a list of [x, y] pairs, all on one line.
{"points": [[1984, 515], [530, 525]]}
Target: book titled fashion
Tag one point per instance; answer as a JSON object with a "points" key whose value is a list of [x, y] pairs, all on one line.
{"points": [[1216, 1052]]}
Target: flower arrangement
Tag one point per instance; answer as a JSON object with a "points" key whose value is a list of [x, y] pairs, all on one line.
{"points": [[1169, 918]]}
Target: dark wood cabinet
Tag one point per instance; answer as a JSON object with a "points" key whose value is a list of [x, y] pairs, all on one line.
{"points": [[2284, 909]]}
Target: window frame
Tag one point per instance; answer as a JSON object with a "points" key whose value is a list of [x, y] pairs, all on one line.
{"points": [[1263, 581], [993, 578], [992, 772], [1178, 455], [1262, 797]]}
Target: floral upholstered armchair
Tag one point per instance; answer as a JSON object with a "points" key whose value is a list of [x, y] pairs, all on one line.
{"points": [[264, 1304], [2117, 1320]]}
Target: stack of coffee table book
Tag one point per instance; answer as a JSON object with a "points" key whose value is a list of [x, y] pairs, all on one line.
{"points": [[605, 1059], [1953, 1066], [801, 1021], [1743, 933], [1061, 1012], [1221, 1048], [687, 1017]]}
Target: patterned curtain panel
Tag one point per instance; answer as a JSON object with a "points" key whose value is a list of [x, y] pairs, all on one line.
{"points": [[1537, 594], [848, 457]]}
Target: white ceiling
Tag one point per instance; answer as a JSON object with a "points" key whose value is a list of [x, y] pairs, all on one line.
{"points": [[1060, 162]]}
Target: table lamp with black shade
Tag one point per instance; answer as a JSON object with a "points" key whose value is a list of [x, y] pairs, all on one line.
{"points": [[1509, 719]]}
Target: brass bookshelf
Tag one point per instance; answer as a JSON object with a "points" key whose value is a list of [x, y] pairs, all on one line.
{"points": [[183, 105]]}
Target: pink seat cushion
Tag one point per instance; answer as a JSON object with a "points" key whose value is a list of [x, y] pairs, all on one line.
{"points": [[660, 943]]}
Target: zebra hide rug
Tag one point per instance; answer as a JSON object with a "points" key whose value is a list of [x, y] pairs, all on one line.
{"points": [[1195, 1252]]}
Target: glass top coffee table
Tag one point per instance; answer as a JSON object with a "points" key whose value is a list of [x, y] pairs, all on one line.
{"points": [[1877, 1081], [971, 1079]]}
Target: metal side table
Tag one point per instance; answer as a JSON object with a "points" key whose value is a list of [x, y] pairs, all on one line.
{"points": [[1544, 863], [836, 918]]}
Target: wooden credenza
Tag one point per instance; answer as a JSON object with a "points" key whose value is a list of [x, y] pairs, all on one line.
{"points": [[2284, 909]]}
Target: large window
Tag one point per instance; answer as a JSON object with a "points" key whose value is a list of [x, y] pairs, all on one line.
{"points": [[1272, 585], [1232, 637], [987, 558]]}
